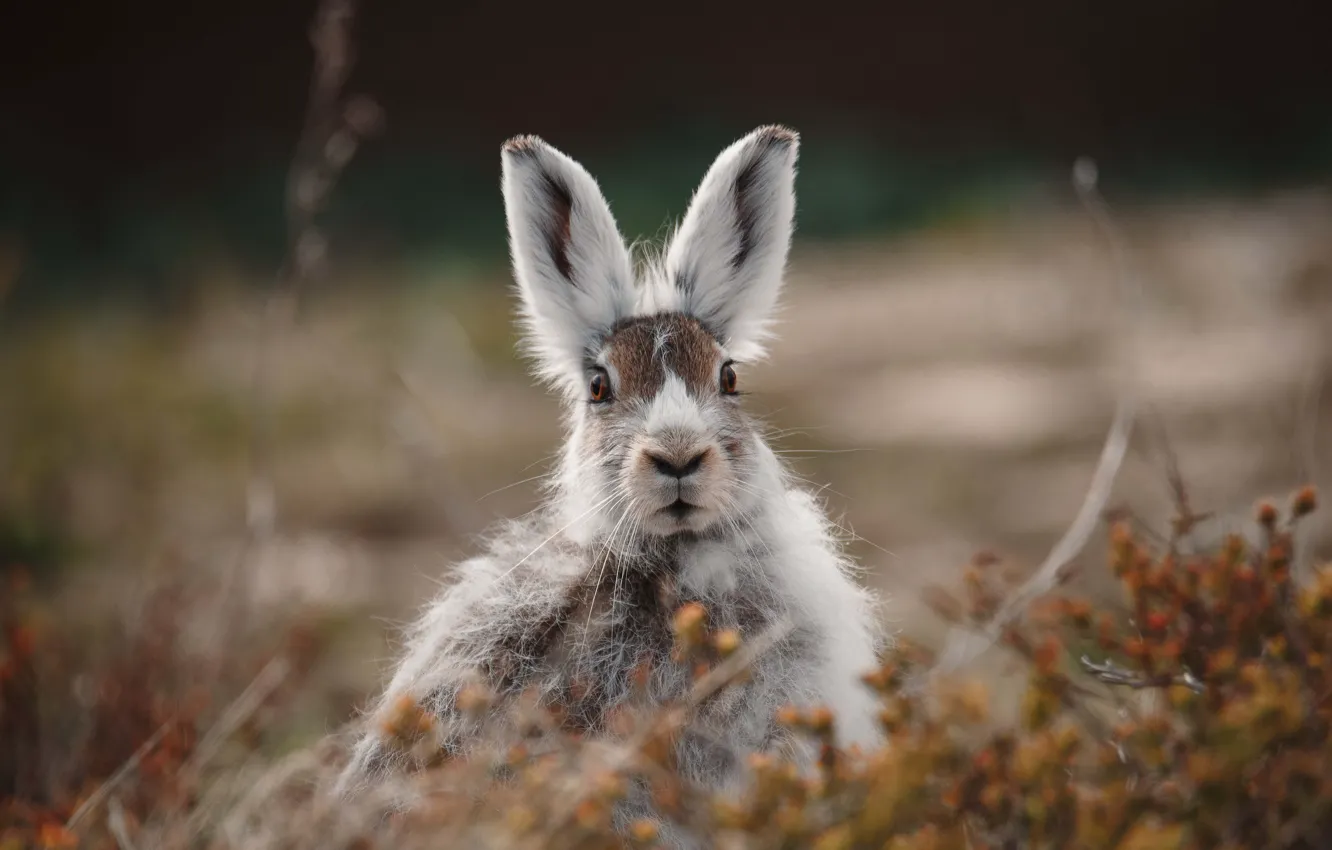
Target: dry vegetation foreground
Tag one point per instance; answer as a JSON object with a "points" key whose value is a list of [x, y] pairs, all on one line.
{"points": [[164, 669]]}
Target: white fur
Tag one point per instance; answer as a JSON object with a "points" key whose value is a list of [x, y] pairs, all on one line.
{"points": [[563, 314], [673, 409], [737, 299], [758, 550]]}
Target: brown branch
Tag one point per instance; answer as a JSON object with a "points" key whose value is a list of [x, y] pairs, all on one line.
{"points": [[96, 797], [333, 127], [116, 824], [962, 646], [1112, 674], [330, 135]]}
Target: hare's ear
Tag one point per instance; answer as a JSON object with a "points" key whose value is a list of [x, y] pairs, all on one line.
{"points": [[572, 268], [726, 261]]}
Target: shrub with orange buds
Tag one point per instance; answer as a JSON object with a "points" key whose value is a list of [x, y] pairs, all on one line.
{"points": [[1197, 714]]}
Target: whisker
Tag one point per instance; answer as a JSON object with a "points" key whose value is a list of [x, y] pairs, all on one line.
{"points": [[515, 484], [834, 523], [619, 571], [742, 515], [596, 586], [540, 460], [819, 488], [563, 529]]}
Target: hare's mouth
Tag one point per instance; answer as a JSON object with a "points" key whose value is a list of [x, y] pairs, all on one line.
{"points": [[680, 509]]}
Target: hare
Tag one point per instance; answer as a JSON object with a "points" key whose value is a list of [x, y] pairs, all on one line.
{"points": [[666, 491]]}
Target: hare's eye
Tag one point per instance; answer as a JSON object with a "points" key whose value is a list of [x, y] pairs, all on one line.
{"points": [[728, 379], [599, 390]]}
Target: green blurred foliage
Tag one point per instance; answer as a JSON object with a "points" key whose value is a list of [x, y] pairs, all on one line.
{"points": [[415, 207]]}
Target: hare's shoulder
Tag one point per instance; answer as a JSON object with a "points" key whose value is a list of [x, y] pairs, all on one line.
{"points": [[519, 578], [484, 624], [522, 573], [518, 561]]}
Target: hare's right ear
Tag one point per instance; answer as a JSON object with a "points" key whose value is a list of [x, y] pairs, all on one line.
{"points": [[726, 262], [573, 271]]}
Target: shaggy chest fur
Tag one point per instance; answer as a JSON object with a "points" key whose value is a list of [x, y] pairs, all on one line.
{"points": [[605, 635], [609, 637]]}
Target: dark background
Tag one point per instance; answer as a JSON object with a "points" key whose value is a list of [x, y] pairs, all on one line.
{"points": [[138, 134]]}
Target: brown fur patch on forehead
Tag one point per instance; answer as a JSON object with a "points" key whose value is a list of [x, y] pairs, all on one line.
{"points": [[644, 348]]}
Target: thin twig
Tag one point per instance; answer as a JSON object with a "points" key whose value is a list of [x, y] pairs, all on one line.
{"points": [[329, 137], [263, 685], [1112, 674], [1186, 520], [308, 184], [332, 130], [963, 646], [257, 787], [124, 770], [724, 673], [1310, 407], [115, 822]]}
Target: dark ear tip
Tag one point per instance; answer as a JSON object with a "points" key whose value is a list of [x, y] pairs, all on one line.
{"points": [[525, 145], [776, 134]]}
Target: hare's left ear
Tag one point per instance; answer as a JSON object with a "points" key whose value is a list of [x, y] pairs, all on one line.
{"points": [[573, 270], [726, 262]]}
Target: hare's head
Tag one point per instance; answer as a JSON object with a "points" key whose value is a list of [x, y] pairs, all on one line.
{"points": [[652, 367]]}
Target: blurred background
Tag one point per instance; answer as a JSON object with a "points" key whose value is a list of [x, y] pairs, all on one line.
{"points": [[953, 338]]}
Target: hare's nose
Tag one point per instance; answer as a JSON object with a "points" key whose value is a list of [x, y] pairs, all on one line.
{"points": [[677, 466]]}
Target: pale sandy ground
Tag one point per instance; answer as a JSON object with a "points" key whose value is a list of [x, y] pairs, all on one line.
{"points": [[952, 390]]}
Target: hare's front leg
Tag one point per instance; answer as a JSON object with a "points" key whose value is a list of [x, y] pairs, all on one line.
{"points": [[741, 720], [487, 627], [713, 751]]}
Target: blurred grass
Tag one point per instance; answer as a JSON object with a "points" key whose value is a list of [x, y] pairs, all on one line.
{"points": [[950, 387]]}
